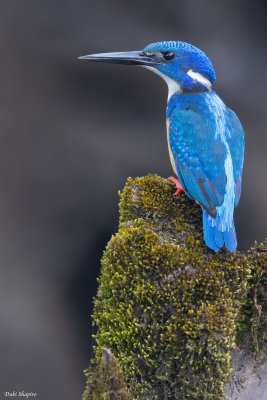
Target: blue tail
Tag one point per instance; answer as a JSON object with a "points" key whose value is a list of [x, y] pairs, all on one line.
{"points": [[216, 235]]}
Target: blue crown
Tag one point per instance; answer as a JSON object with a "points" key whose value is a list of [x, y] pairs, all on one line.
{"points": [[190, 57]]}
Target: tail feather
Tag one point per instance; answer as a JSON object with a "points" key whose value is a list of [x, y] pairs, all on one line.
{"points": [[218, 236], [230, 239], [215, 235], [209, 233]]}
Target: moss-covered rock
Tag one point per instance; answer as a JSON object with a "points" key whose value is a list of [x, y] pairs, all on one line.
{"points": [[252, 321], [167, 305], [106, 379]]}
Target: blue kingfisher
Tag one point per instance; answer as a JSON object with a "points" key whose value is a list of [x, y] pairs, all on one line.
{"points": [[205, 138]]}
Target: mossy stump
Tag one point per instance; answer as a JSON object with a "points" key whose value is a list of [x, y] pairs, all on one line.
{"points": [[167, 305]]}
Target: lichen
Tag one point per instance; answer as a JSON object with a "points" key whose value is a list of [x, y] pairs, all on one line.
{"points": [[167, 305]]}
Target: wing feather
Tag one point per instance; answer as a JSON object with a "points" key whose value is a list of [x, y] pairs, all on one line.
{"points": [[237, 148], [199, 156]]}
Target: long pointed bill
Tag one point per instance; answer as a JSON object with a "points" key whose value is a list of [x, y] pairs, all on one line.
{"points": [[125, 57]]}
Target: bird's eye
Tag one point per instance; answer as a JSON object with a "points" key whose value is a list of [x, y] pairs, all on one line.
{"points": [[168, 55]]}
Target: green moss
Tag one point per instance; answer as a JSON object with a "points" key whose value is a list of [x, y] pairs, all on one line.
{"points": [[106, 380], [252, 320], [166, 304], [150, 198]]}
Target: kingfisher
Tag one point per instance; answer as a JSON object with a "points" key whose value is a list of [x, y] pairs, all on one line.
{"points": [[205, 138]]}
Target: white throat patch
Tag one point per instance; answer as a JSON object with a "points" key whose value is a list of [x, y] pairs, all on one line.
{"points": [[173, 86], [196, 76]]}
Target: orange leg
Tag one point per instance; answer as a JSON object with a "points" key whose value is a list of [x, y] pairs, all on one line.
{"points": [[177, 184]]}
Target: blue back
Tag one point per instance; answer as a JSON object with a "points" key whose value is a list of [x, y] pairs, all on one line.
{"points": [[207, 142]]}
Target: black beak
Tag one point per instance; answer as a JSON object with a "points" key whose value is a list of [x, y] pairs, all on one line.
{"points": [[126, 57]]}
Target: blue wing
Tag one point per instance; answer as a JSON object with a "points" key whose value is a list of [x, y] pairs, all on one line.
{"points": [[237, 147], [199, 156]]}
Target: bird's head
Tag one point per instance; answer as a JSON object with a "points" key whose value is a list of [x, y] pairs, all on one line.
{"points": [[184, 67]]}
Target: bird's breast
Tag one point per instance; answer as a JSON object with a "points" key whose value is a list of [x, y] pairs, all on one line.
{"points": [[169, 147]]}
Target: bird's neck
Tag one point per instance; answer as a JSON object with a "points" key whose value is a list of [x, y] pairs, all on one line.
{"points": [[190, 82], [173, 86]]}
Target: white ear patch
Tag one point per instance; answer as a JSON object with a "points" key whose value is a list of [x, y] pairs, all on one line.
{"points": [[196, 76]]}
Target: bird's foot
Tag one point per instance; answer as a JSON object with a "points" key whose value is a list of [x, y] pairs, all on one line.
{"points": [[177, 184]]}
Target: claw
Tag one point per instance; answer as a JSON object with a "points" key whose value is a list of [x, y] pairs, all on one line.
{"points": [[177, 184]]}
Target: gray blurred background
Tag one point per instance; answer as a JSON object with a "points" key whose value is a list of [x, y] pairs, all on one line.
{"points": [[71, 132]]}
